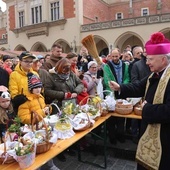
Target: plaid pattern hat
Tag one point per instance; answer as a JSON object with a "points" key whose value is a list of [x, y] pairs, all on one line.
{"points": [[26, 54], [33, 81]]}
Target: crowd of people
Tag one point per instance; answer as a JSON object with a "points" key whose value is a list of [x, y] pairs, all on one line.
{"points": [[28, 83]]}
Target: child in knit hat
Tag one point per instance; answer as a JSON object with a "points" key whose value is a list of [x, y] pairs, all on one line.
{"points": [[35, 103], [6, 110]]}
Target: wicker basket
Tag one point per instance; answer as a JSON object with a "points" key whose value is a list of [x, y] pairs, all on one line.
{"points": [[123, 108], [104, 110], [88, 125], [9, 158], [138, 108], [46, 145], [98, 104], [138, 111]]}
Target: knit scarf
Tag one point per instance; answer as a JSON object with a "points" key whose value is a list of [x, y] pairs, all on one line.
{"points": [[118, 71], [149, 148]]}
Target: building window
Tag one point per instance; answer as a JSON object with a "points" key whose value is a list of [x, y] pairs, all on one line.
{"points": [[55, 11], [21, 19], [119, 15], [144, 11], [36, 14], [3, 36]]}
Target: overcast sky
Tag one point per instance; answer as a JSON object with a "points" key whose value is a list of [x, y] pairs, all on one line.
{"points": [[2, 5]]}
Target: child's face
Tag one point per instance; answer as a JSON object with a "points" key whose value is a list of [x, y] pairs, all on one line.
{"points": [[85, 89], [5, 104], [36, 90]]}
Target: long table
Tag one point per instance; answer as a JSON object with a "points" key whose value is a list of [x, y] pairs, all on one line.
{"points": [[57, 148], [131, 115]]}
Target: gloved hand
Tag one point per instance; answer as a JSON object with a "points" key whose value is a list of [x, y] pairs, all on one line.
{"points": [[18, 100]]}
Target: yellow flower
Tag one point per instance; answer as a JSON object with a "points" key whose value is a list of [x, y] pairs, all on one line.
{"points": [[68, 109], [96, 99]]}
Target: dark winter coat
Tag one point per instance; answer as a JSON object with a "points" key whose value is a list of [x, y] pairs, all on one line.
{"points": [[139, 70], [4, 77], [55, 88], [153, 113]]}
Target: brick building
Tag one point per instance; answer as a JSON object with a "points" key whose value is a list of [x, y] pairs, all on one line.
{"points": [[36, 24]]}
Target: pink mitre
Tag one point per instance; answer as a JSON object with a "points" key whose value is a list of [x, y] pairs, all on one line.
{"points": [[157, 44]]}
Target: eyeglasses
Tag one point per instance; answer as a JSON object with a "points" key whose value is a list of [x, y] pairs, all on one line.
{"points": [[66, 70], [115, 56], [27, 62], [93, 67]]}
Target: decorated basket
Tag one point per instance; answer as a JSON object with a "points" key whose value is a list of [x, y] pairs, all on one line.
{"points": [[63, 128], [26, 159], [81, 122], [93, 107], [5, 157], [138, 108], [45, 145], [123, 108], [104, 108], [138, 111]]}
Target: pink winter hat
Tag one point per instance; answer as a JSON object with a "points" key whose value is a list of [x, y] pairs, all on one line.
{"points": [[157, 44]]}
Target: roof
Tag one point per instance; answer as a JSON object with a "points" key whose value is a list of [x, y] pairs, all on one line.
{"points": [[17, 53]]}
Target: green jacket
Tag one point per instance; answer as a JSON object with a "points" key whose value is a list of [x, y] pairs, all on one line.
{"points": [[110, 74]]}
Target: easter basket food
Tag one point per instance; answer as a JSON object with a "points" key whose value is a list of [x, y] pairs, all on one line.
{"points": [[52, 119], [138, 108], [104, 108], [70, 109], [81, 122], [7, 150], [93, 107], [123, 107], [42, 136], [63, 128], [109, 100], [25, 154]]}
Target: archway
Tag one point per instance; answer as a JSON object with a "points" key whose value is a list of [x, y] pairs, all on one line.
{"points": [[65, 45], [2, 48], [20, 48], [38, 46], [128, 38], [166, 32], [101, 44]]}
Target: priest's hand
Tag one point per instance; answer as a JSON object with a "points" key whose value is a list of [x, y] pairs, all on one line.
{"points": [[114, 86]]}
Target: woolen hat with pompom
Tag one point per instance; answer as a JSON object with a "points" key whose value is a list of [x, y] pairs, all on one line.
{"points": [[157, 44], [33, 81]]}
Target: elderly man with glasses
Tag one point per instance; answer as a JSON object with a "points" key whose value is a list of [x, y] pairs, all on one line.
{"points": [[153, 150]]}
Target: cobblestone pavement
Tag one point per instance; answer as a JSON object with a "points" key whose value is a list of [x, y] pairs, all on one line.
{"points": [[119, 157]]}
